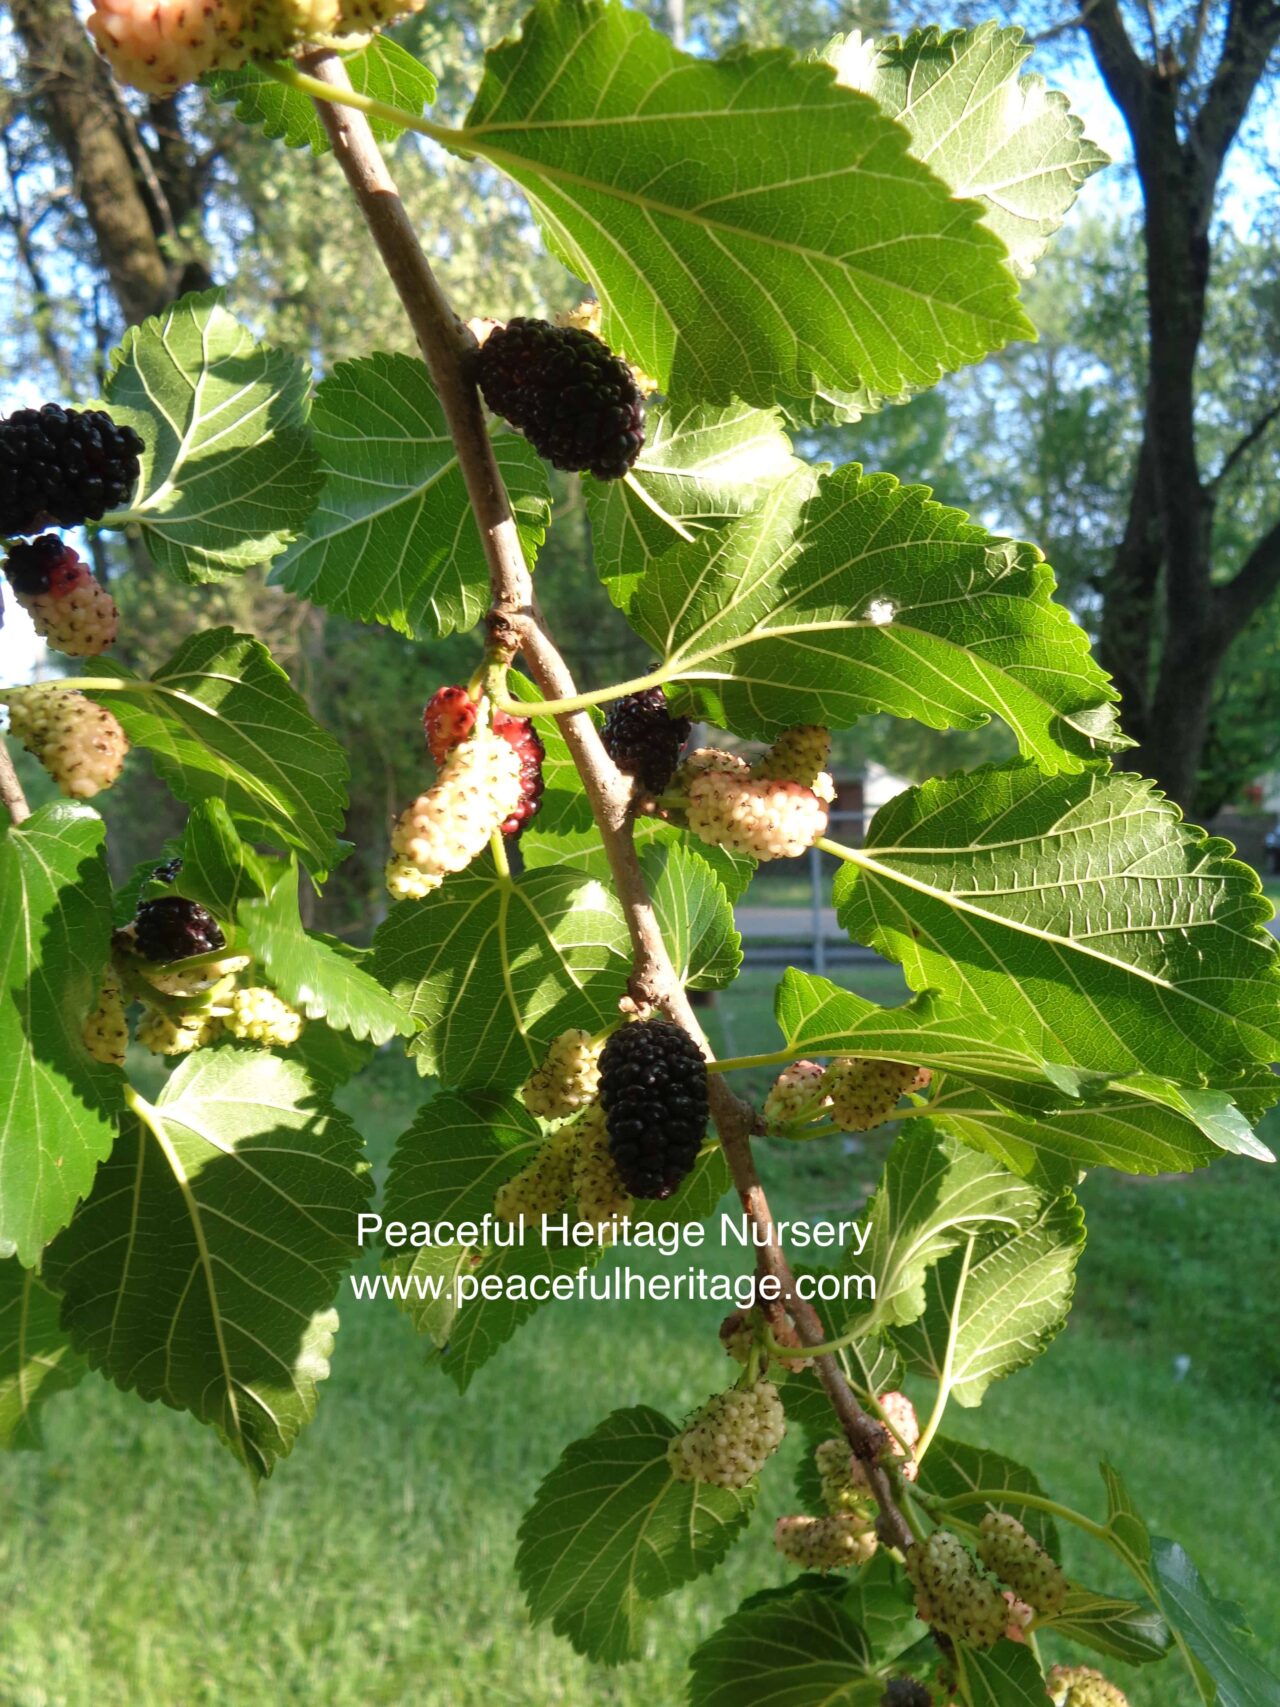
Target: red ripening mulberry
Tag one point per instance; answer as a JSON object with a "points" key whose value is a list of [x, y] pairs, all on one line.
{"points": [[520, 734], [62, 467], [450, 717], [643, 739], [58, 592], [576, 402], [653, 1088]]}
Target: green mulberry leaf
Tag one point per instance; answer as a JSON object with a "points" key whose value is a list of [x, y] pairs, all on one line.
{"points": [[203, 1267], [497, 967], [36, 1359], [610, 1531], [750, 227], [59, 1116], [794, 1650], [222, 723], [1081, 911], [381, 69], [393, 538], [869, 597], [229, 474]]}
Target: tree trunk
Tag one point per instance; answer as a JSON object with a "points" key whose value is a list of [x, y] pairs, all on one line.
{"points": [[73, 90]]}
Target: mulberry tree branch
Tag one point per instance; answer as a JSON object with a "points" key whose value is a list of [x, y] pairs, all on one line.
{"points": [[11, 794], [515, 624]]}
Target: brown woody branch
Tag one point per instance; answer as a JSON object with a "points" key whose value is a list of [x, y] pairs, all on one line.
{"points": [[515, 624], [11, 795]]}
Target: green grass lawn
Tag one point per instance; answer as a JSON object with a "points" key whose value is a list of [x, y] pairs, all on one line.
{"points": [[137, 1569]]}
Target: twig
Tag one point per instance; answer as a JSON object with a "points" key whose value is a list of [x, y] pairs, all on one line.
{"points": [[1243, 446], [11, 794], [516, 624]]}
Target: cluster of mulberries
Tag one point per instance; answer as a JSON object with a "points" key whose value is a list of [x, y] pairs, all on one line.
{"points": [[478, 788], [653, 1088], [81, 746], [67, 606], [186, 1005], [61, 467], [106, 1031], [572, 1164], [1081, 1686], [832, 1543], [176, 1034], [566, 1079], [953, 1594], [160, 45], [643, 739], [864, 1093], [1018, 1560], [731, 1438], [795, 1097], [576, 402]]}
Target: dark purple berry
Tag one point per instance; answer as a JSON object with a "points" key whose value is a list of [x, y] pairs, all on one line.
{"points": [[63, 466], [653, 1089], [642, 737], [173, 928], [575, 401]]}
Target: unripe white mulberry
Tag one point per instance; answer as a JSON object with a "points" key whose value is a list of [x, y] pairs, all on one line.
{"points": [[731, 1438], [1019, 1560], [865, 1093], [408, 882], [796, 1095], [1081, 1686], [80, 745], [106, 1031], [764, 819], [831, 1543], [444, 829], [703, 762], [543, 1186], [601, 1196], [800, 755], [259, 1016], [193, 980], [164, 1034], [567, 1078], [952, 1592]]}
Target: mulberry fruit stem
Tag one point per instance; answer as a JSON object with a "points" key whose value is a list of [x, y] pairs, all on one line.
{"points": [[515, 624], [581, 701]]}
